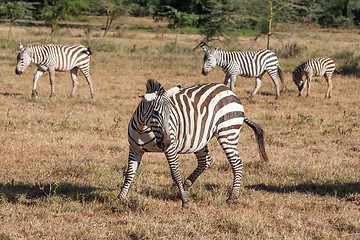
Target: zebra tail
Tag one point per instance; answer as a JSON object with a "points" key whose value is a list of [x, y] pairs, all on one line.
{"points": [[90, 52], [259, 138]]}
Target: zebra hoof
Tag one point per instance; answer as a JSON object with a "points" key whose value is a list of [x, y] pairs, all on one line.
{"points": [[187, 184], [34, 94], [185, 205], [232, 200]]}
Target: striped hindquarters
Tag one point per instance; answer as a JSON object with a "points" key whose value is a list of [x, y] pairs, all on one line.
{"points": [[205, 110]]}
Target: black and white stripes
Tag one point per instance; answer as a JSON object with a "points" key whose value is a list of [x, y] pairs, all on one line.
{"points": [[246, 64], [322, 66], [53, 58], [183, 120]]}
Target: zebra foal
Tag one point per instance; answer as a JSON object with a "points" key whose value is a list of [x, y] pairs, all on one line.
{"points": [[246, 64], [53, 58], [183, 120], [322, 66]]}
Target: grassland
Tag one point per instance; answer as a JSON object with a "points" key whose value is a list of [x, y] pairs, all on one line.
{"points": [[63, 160]]}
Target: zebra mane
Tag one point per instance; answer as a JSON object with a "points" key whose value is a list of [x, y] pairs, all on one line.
{"points": [[153, 85], [33, 44]]}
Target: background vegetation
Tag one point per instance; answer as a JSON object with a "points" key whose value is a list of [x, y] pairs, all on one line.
{"points": [[63, 160], [213, 18]]}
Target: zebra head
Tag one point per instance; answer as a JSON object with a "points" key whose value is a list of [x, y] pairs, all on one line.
{"points": [[297, 78], [157, 111], [23, 59], [209, 61]]}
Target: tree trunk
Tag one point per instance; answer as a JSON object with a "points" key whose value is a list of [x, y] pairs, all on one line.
{"points": [[268, 41], [53, 28], [109, 21], [270, 24], [9, 33]]}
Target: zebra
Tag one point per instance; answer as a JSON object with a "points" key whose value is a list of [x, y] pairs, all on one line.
{"points": [[183, 120], [51, 57], [322, 66], [246, 64]]}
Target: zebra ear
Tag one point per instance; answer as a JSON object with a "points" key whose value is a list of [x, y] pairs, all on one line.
{"points": [[20, 47], [172, 91], [204, 49], [149, 96]]}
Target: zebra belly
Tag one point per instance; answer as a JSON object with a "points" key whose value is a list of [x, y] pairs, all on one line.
{"points": [[42, 68], [61, 70], [144, 142]]}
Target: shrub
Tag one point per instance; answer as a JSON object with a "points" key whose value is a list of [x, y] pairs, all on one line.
{"points": [[351, 62], [289, 50]]}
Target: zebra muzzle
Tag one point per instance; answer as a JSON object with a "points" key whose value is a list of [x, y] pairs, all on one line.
{"points": [[163, 143], [204, 72], [18, 72], [301, 86]]}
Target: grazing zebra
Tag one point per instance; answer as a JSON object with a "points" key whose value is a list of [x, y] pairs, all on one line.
{"points": [[53, 58], [183, 120], [322, 66], [246, 64]]}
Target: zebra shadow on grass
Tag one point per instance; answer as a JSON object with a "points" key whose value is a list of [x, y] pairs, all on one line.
{"points": [[348, 191], [30, 194]]}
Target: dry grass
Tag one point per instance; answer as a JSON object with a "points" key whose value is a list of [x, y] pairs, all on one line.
{"points": [[63, 160]]}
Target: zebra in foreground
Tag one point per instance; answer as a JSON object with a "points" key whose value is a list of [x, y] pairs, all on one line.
{"points": [[183, 120], [322, 66], [53, 58], [246, 64]]}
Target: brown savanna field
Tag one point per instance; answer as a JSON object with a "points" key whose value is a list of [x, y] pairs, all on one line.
{"points": [[63, 160]]}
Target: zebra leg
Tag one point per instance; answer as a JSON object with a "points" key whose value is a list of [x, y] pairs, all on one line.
{"points": [[226, 81], [305, 84], [232, 82], [172, 158], [204, 160], [38, 74], [276, 83], [228, 142], [52, 80], [87, 75], [73, 73], [309, 78], [329, 83], [257, 86], [133, 164]]}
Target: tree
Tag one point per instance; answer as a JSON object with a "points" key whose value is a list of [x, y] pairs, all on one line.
{"points": [[176, 17], [337, 12], [55, 10], [15, 10], [220, 17], [112, 9], [269, 12]]}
